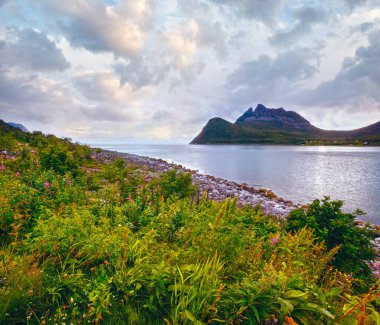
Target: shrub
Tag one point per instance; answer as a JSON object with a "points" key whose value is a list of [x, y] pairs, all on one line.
{"points": [[59, 160], [175, 182], [336, 228]]}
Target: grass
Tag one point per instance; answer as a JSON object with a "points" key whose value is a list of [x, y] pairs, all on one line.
{"points": [[106, 243]]}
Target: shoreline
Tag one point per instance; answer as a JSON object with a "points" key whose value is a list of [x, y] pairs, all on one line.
{"points": [[219, 189]]}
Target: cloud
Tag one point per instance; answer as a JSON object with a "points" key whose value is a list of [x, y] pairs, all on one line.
{"points": [[30, 49], [270, 79], [137, 73], [364, 27], [104, 87], [119, 29], [264, 11], [355, 3], [210, 31], [307, 19], [159, 69], [358, 80], [34, 98]]}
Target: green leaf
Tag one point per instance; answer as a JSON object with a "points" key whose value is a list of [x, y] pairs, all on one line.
{"points": [[286, 306], [255, 312], [190, 316], [293, 294], [317, 309]]}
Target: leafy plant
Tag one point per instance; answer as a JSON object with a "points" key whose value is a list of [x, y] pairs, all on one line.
{"points": [[337, 228]]}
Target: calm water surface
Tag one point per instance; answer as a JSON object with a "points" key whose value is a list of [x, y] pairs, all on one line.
{"points": [[296, 173]]}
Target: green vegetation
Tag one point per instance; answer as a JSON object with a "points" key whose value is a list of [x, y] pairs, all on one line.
{"points": [[335, 227], [83, 241]]}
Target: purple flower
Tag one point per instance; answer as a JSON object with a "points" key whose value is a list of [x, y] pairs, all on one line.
{"points": [[275, 239], [47, 185]]}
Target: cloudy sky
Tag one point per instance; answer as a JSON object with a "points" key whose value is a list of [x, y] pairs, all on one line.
{"points": [[154, 71]]}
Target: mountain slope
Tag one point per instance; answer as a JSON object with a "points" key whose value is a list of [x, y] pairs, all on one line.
{"points": [[278, 126]]}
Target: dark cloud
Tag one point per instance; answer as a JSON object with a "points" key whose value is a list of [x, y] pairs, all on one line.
{"points": [[364, 27], [307, 18], [355, 3], [31, 98], [358, 79], [30, 49], [267, 79], [264, 11], [138, 74]]}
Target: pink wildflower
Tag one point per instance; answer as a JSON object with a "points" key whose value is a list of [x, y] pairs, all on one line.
{"points": [[274, 240], [18, 174], [47, 185], [2, 167], [68, 182]]}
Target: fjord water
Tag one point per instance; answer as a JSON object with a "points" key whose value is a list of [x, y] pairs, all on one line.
{"points": [[296, 173]]}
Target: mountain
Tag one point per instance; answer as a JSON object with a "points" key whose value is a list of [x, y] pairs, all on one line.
{"points": [[278, 126], [18, 126]]}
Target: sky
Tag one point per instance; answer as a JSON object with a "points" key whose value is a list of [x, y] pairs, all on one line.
{"points": [[150, 71]]}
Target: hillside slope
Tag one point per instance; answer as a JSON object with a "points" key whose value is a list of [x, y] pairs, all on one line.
{"points": [[278, 126]]}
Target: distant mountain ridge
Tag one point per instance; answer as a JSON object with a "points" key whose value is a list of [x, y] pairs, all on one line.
{"points": [[18, 126], [278, 126]]}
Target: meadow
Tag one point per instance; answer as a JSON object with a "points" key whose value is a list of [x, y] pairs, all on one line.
{"points": [[87, 242]]}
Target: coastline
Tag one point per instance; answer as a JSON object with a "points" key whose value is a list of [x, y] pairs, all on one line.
{"points": [[219, 189]]}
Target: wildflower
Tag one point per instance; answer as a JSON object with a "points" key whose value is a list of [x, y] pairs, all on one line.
{"points": [[18, 174], [2, 167], [275, 239], [68, 181], [47, 185]]}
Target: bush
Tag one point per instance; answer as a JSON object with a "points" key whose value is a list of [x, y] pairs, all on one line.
{"points": [[175, 182], [59, 160], [336, 228]]}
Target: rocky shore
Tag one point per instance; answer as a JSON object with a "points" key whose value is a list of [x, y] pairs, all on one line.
{"points": [[219, 189], [216, 188]]}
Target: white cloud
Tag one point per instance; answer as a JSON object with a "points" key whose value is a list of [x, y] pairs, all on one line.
{"points": [[98, 27]]}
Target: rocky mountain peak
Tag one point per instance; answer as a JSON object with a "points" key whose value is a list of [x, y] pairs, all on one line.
{"points": [[279, 116]]}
